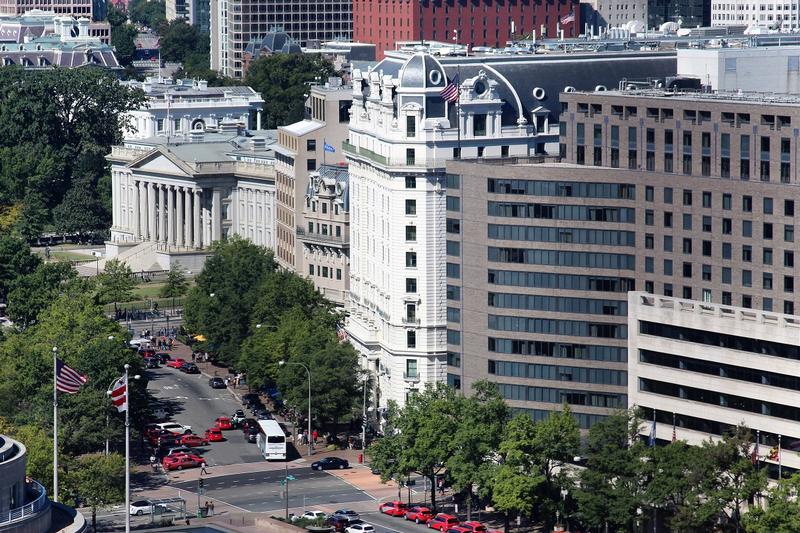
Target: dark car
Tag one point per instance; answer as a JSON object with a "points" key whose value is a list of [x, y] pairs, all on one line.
{"points": [[248, 423], [163, 357], [249, 398], [216, 383], [151, 362], [251, 434], [262, 414], [330, 463], [190, 368], [339, 523], [347, 514]]}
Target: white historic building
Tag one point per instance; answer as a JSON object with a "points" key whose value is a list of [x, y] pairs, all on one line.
{"points": [[175, 107], [401, 134], [173, 198]]}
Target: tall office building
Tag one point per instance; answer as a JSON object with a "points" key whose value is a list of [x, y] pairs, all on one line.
{"points": [[480, 23], [688, 195], [769, 14], [235, 23], [404, 259]]}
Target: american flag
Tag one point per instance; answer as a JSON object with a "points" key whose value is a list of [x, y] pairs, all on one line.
{"points": [[67, 379], [566, 19], [119, 394], [450, 93]]}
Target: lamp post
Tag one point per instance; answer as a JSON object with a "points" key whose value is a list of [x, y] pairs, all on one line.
{"points": [[308, 372]]}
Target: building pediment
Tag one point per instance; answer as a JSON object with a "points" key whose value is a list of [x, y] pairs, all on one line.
{"points": [[160, 162]]}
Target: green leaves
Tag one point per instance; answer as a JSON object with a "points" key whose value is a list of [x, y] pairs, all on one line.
{"points": [[176, 285], [116, 283]]}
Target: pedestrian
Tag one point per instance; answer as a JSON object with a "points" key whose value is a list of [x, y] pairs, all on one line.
{"points": [[211, 508], [206, 506], [203, 468], [314, 435]]}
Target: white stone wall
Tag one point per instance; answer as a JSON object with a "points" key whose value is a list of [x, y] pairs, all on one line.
{"points": [[767, 69]]}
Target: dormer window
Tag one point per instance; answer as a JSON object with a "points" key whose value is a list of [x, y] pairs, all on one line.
{"points": [[411, 126], [479, 125]]}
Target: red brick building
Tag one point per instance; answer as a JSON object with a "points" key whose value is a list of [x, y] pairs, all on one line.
{"points": [[478, 22]]}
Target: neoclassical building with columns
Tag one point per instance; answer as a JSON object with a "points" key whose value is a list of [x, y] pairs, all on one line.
{"points": [[173, 197]]}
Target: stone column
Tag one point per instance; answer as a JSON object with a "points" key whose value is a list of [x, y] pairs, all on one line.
{"points": [[244, 217], [179, 231], [170, 215], [216, 215], [137, 206], [187, 217], [198, 241], [151, 212], [162, 213]]}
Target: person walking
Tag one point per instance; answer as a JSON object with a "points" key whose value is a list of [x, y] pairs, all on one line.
{"points": [[211, 508], [314, 435], [203, 468]]}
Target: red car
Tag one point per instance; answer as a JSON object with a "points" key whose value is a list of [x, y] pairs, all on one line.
{"points": [[176, 363], [223, 422], [181, 461], [193, 440], [393, 508], [442, 522], [473, 527], [214, 435], [420, 515]]}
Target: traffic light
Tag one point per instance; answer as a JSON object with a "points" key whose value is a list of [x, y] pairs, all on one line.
{"points": [[201, 482]]}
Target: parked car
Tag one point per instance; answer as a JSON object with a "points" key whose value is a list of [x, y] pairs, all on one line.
{"points": [[262, 414], [176, 363], [147, 352], [238, 417], [181, 461], [472, 526], [214, 435], [395, 508], [164, 358], [251, 434], [193, 440], [177, 450], [361, 527], [249, 398], [419, 514], [339, 523], [160, 435], [223, 423], [347, 514], [141, 507], [314, 515], [216, 383], [189, 368], [151, 362], [247, 423], [174, 427], [330, 463], [442, 522]]}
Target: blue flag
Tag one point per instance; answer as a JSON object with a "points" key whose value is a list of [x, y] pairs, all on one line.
{"points": [[327, 147]]}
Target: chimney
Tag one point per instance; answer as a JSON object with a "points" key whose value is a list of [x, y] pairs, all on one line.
{"points": [[202, 85], [196, 136], [258, 143]]}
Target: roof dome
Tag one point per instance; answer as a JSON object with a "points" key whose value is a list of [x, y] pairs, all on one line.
{"points": [[422, 71]]}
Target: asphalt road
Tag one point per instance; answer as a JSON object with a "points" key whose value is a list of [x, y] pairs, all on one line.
{"points": [[192, 402]]}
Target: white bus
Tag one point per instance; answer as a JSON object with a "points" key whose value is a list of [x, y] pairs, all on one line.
{"points": [[271, 440]]}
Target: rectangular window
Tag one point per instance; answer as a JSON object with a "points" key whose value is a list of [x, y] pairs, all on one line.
{"points": [[788, 258], [707, 199], [687, 270], [411, 207], [747, 253], [453, 203], [747, 204], [747, 228], [411, 158], [788, 233], [747, 278], [411, 233], [687, 221], [411, 182], [339, 274], [687, 197], [667, 267], [453, 292], [411, 284], [668, 219], [707, 248], [454, 248], [706, 273], [687, 246], [727, 202], [453, 270], [311, 145], [411, 339], [479, 125], [311, 164], [648, 265], [453, 225], [649, 193], [648, 217], [453, 315], [788, 208], [727, 226], [766, 256], [727, 250], [648, 241], [766, 281], [667, 195], [667, 243], [707, 227], [411, 126], [726, 275], [411, 259]]}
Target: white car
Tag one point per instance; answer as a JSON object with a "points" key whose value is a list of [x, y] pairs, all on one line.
{"points": [[360, 528], [142, 507], [174, 427], [314, 515]]}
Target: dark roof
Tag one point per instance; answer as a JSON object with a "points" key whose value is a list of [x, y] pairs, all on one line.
{"points": [[275, 42]]}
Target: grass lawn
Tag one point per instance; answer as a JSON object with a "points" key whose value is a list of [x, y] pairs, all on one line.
{"points": [[57, 255], [147, 290]]}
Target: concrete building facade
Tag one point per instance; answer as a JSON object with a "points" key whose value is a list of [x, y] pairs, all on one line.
{"points": [[704, 368], [235, 23], [300, 151], [24, 505], [173, 198], [176, 107], [769, 14]]}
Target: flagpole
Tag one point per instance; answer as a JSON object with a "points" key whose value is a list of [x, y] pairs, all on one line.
{"points": [[127, 454], [780, 460], [55, 424], [324, 151], [458, 107]]}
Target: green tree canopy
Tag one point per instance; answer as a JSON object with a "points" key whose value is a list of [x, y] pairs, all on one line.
{"points": [[98, 480], [116, 283], [232, 274], [32, 293], [781, 511], [16, 260], [176, 285], [81, 211], [123, 39], [180, 41], [151, 13], [282, 80]]}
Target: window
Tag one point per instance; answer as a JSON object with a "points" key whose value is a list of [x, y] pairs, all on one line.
{"points": [[453, 203], [648, 217], [667, 243], [767, 230], [747, 204], [788, 208], [411, 126], [747, 278], [687, 246], [788, 307], [727, 299], [726, 275], [311, 164], [411, 259], [453, 270], [788, 258], [454, 248], [687, 197], [706, 273], [687, 293], [667, 195], [687, 270], [668, 289], [766, 256], [411, 182], [747, 253], [411, 368], [667, 267], [311, 145], [324, 207], [767, 205], [310, 270], [707, 227], [648, 265], [726, 202], [648, 241], [649, 287], [766, 281], [411, 207], [479, 125], [411, 233], [453, 292], [453, 225], [706, 199], [411, 339], [726, 250], [687, 221], [668, 219], [788, 233], [411, 158], [339, 274], [727, 226], [648, 193], [411, 284], [747, 228]]}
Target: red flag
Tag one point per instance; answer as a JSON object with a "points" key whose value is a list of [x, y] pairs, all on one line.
{"points": [[119, 394]]}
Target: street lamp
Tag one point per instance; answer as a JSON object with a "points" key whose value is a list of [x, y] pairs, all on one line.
{"points": [[308, 372]]}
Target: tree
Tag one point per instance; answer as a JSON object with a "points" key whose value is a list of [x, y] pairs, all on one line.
{"points": [[16, 260], [180, 40], [781, 514], [116, 16], [176, 285], [220, 304], [32, 293], [611, 486], [33, 217], [97, 480], [151, 13], [476, 440], [81, 211], [282, 80], [116, 283], [281, 291], [123, 39], [517, 480], [420, 439], [39, 444]]}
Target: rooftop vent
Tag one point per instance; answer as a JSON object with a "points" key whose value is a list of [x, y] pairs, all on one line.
{"points": [[258, 143], [197, 136]]}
